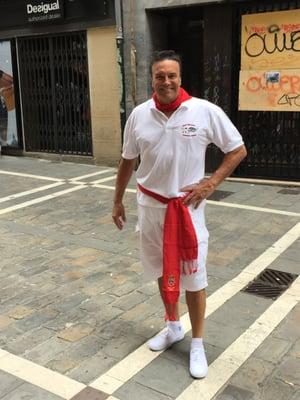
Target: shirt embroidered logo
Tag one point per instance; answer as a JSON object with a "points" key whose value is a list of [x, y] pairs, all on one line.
{"points": [[189, 130]]}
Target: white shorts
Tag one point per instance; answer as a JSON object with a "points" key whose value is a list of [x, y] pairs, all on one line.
{"points": [[150, 221]]}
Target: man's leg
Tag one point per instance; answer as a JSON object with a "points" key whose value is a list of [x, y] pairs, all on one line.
{"points": [[173, 332], [196, 302]]}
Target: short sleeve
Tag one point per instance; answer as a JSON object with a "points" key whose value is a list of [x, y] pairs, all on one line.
{"points": [[223, 133], [130, 148]]}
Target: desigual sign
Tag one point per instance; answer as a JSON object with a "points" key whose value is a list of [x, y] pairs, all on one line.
{"points": [[38, 11]]}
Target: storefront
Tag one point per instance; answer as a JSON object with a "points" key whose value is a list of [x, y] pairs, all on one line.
{"points": [[208, 35], [58, 61]]}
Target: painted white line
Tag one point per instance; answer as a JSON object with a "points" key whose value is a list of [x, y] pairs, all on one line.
{"points": [[78, 178], [108, 178], [40, 199], [263, 181], [222, 369], [42, 377], [225, 204], [27, 192], [254, 208], [45, 178], [113, 188], [119, 374]]}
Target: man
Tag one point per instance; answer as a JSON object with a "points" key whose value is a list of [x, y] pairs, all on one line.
{"points": [[170, 132]]}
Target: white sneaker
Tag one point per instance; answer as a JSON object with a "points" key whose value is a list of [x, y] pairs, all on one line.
{"points": [[163, 340], [198, 362]]}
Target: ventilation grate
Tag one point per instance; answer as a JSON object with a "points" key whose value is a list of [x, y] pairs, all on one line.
{"points": [[270, 283]]}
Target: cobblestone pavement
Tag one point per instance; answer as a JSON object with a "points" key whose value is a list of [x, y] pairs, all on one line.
{"points": [[75, 313]]}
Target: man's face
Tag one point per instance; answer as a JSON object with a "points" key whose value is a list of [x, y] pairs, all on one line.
{"points": [[166, 80]]}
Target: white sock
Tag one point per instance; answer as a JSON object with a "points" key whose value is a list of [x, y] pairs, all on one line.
{"points": [[196, 343]]}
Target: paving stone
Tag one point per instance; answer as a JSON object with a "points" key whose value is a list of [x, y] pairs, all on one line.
{"points": [[272, 349], [129, 301], [8, 383], [160, 375], [234, 393], [27, 341], [91, 368], [20, 312], [274, 388], [135, 390], [36, 319], [47, 351], [61, 366], [30, 392], [241, 310], [289, 371], [75, 333], [290, 326], [90, 394], [5, 321], [120, 347], [252, 374]]}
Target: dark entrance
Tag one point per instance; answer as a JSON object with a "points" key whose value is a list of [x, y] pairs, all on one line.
{"points": [[55, 93], [208, 38]]}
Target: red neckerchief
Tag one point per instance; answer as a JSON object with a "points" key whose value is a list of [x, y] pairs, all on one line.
{"points": [[179, 244], [182, 96]]}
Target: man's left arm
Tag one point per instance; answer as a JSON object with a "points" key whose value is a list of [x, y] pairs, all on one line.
{"points": [[202, 190]]}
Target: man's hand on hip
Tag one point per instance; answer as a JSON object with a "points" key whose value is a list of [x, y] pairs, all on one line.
{"points": [[118, 215], [198, 192]]}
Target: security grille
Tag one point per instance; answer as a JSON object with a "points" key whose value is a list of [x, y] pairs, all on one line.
{"points": [[55, 93], [272, 138]]}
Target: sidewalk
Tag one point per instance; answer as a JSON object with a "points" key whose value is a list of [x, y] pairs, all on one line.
{"points": [[75, 314]]}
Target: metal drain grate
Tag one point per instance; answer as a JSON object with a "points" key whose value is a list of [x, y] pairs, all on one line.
{"points": [[270, 283], [220, 195]]}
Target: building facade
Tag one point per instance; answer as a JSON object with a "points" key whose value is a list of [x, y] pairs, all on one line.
{"points": [[249, 67], [60, 79]]}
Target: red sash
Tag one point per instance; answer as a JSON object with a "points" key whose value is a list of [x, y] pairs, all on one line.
{"points": [[179, 244]]}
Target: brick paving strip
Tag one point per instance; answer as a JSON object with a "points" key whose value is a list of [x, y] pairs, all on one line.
{"points": [[114, 378], [118, 375]]}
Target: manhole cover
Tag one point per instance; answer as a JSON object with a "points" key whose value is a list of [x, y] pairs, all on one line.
{"points": [[270, 283], [219, 195]]}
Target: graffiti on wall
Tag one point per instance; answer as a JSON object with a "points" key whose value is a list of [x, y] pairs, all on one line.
{"points": [[270, 61], [270, 91]]}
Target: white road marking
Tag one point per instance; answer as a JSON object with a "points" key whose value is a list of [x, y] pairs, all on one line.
{"points": [[45, 178], [222, 369], [119, 374], [27, 192], [78, 178], [42, 377], [40, 199], [108, 178], [254, 208], [225, 204], [112, 188]]}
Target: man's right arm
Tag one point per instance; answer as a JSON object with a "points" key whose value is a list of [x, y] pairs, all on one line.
{"points": [[126, 168]]}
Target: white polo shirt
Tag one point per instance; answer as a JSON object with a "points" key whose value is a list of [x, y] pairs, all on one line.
{"points": [[173, 149]]}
